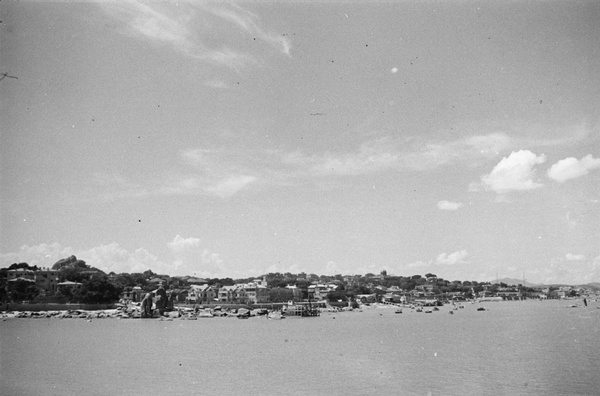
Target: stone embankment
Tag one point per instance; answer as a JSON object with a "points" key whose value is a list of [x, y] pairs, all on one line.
{"points": [[134, 312]]}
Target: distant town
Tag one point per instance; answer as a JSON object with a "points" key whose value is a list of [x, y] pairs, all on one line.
{"points": [[71, 280]]}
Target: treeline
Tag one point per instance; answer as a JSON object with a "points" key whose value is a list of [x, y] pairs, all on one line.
{"points": [[99, 287]]}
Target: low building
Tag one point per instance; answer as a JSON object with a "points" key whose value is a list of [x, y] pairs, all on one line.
{"points": [[296, 292], [72, 286], [134, 294], [46, 280], [367, 298], [256, 293], [232, 294], [20, 273], [318, 292], [202, 294]]}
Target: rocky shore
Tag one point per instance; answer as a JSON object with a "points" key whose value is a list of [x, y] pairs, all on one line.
{"points": [[134, 312]]}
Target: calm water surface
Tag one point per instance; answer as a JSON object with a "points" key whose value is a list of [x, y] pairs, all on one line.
{"points": [[514, 348]]}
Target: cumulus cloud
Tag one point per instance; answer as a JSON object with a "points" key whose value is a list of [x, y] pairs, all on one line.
{"points": [[444, 259], [571, 168], [574, 257], [110, 257], [188, 257], [514, 173], [114, 258], [452, 258], [43, 255], [179, 243], [447, 205]]}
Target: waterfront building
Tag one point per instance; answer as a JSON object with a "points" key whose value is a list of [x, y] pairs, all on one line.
{"points": [[134, 294], [232, 294], [256, 293], [46, 280], [202, 294]]}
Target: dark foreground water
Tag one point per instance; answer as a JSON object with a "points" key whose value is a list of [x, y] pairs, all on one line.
{"points": [[514, 348]]}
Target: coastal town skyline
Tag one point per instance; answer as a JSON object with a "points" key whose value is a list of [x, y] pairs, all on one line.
{"points": [[232, 140]]}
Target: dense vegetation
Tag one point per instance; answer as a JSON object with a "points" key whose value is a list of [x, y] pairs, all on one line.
{"points": [[99, 287]]}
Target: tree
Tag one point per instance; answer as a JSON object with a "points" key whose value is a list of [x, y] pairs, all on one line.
{"points": [[23, 266], [337, 296], [73, 274], [97, 290], [23, 290], [280, 294]]}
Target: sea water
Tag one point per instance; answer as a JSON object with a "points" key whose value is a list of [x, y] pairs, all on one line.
{"points": [[512, 348]]}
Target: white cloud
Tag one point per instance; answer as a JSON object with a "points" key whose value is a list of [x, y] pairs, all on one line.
{"points": [[248, 22], [114, 258], [452, 258], [447, 205], [571, 168], [179, 243], [43, 255], [489, 145], [443, 259], [188, 258], [514, 172], [107, 258], [574, 257], [197, 30], [230, 186]]}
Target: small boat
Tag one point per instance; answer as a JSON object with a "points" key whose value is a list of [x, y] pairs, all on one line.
{"points": [[398, 311], [481, 309]]}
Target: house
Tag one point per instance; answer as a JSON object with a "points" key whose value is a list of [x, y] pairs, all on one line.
{"points": [[68, 285], [202, 294], [20, 273], [509, 294], [134, 294], [232, 294], [393, 298], [422, 291], [319, 291], [296, 292], [367, 298], [12, 283], [46, 280], [255, 293], [425, 288]]}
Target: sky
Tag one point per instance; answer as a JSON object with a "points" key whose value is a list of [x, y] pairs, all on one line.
{"points": [[235, 139]]}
